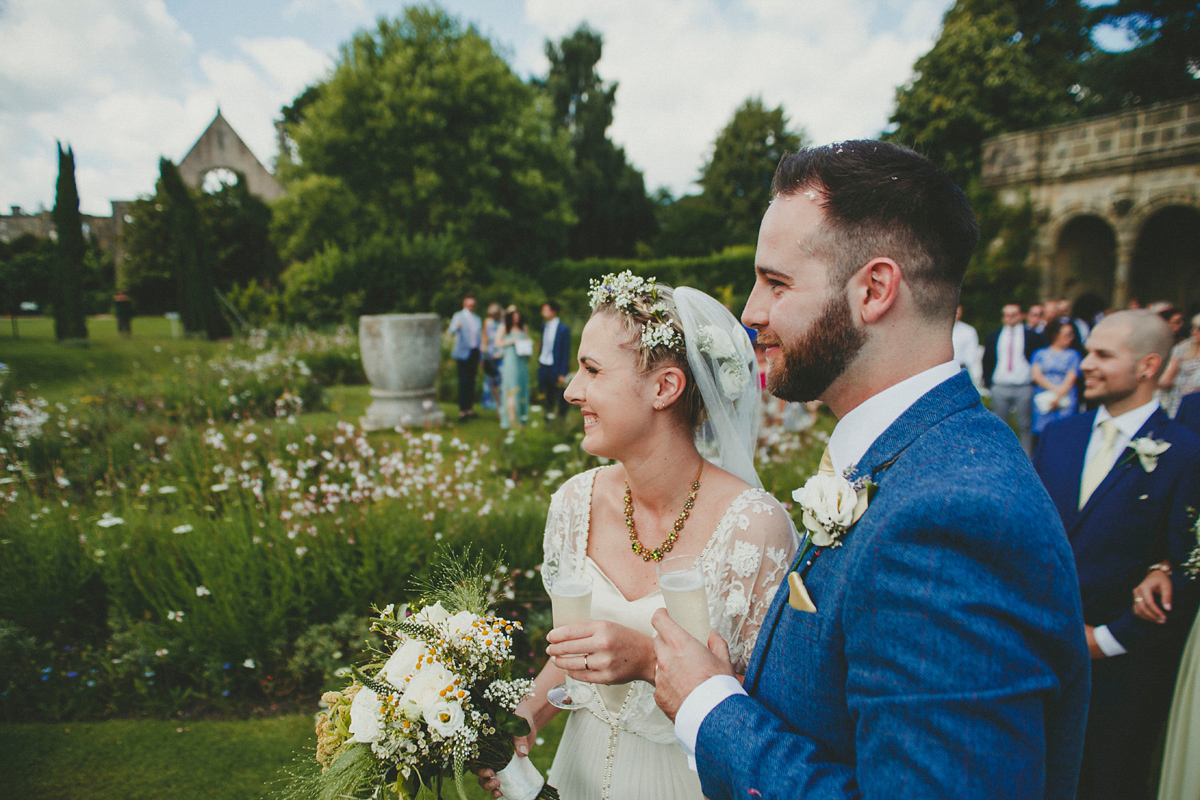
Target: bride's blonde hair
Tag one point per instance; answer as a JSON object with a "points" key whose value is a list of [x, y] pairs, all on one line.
{"points": [[654, 308]]}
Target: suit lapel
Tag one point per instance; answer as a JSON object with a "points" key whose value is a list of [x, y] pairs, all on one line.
{"points": [[1063, 478], [949, 397], [1123, 466]]}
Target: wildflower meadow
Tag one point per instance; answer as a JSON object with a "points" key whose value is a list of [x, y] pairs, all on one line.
{"points": [[204, 532]]}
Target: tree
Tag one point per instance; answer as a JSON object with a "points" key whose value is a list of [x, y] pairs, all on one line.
{"points": [[737, 178], [27, 269], [997, 66], [438, 142], [237, 225], [69, 319], [608, 195], [189, 255], [1164, 65]]}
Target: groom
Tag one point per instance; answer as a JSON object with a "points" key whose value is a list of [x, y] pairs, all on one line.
{"points": [[945, 655]]}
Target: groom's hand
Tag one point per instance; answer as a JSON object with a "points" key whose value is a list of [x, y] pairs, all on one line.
{"points": [[683, 662]]}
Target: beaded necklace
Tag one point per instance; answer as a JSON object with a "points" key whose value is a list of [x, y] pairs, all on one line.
{"points": [[657, 553]]}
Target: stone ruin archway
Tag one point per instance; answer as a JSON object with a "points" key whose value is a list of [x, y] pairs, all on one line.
{"points": [[1084, 258], [220, 148], [1166, 258], [1121, 193]]}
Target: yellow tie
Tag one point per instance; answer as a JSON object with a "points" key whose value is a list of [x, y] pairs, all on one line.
{"points": [[1101, 463], [826, 466]]}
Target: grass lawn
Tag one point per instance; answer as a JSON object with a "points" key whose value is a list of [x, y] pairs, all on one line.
{"points": [[151, 759]]}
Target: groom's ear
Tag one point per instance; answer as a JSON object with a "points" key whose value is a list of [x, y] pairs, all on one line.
{"points": [[874, 289]]}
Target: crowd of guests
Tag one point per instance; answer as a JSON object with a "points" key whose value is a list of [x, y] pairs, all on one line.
{"points": [[502, 345], [1122, 465]]}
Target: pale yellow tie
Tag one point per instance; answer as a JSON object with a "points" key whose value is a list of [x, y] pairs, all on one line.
{"points": [[826, 465], [1101, 463]]}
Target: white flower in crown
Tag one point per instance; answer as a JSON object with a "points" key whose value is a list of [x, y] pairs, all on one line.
{"points": [[1148, 449], [621, 290], [830, 506], [660, 335]]}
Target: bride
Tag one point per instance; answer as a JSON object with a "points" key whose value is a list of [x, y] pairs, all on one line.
{"points": [[667, 386]]}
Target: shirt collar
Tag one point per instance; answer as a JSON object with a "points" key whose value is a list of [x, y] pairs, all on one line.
{"points": [[857, 431], [1131, 421]]}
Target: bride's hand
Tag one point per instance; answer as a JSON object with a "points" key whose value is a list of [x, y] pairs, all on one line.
{"points": [[521, 744], [600, 651]]}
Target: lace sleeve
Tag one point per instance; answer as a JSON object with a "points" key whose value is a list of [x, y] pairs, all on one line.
{"points": [[564, 544], [743, 567]]}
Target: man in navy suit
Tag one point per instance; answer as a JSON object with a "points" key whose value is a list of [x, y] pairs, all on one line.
{"points": [[1126, 481], [933, 646], [1188, 413], [554, 361]]}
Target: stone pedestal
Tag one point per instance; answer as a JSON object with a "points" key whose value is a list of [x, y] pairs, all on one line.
{"points": [[400, 354]]}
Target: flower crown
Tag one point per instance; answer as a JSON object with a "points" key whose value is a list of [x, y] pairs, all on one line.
{"points": [[624, 291]]}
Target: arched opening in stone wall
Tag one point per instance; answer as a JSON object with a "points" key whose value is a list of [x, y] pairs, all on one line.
{"points": [[1085, 258], [1166, 259], [217, 178]]}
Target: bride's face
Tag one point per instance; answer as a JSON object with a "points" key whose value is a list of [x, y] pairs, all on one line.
{"points": [[610, 392]]}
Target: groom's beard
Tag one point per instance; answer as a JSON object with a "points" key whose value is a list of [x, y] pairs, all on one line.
{"points": [[811, 364]]}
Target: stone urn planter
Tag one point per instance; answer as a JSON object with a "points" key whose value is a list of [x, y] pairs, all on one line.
{"points": [[400, 354]]}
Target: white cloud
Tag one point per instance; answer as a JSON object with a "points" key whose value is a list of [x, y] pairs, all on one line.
{"points": [[685, 66], [349, 7], [121, 82]]}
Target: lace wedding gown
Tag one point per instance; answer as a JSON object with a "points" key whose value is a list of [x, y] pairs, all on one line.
{"points": [[622, 746]]}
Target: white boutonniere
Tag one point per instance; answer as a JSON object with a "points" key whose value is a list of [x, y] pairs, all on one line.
{"points": [[830, 505], [1148, 449]]}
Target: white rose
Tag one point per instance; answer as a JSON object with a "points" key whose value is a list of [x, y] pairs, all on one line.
{"points": [[445, 718], [403, 662], [831, 505], [364, 716], [719, 345], [426, 689], [1148, 450], [431, 615], [460, 623], [733, 377]]}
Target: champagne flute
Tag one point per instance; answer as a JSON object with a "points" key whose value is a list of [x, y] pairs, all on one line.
{"points": [[570, 603], [681, 579]]}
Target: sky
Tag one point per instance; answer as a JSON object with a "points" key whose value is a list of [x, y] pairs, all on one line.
{"points": [[124, 82]]}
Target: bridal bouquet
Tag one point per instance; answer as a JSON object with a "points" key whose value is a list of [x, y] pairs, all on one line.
{"points": [[438, 700]]}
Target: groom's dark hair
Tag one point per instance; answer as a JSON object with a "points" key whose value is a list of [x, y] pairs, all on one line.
{"points": [[883, 200]]}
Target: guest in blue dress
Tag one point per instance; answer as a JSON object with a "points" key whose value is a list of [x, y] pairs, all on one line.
{"points": [[517, 348], [1055, 370]]}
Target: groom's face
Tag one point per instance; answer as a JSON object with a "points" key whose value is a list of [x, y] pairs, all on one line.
{"points": [[806, 326]]}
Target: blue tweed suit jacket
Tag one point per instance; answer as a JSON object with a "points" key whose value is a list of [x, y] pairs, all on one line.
{"points": [[1133, 519], [946, 658]]}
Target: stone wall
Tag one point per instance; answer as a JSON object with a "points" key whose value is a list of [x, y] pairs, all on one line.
{"points": [[1119, 169]]}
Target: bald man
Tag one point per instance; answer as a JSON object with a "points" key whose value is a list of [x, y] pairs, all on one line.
{"points": [[1126, 481]]}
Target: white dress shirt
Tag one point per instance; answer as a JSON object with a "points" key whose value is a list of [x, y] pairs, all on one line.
{"points": [[1012, 368], [851, 438], [549, 332], [1128, 424]]}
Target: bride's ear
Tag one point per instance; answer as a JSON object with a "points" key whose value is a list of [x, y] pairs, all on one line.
{"points": [[668, 387]]}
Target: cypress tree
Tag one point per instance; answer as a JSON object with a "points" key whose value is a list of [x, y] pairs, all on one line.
{"points": [[190, 257], [69, 320]]}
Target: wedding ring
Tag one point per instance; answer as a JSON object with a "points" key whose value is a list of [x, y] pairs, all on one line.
{"points": [[585, 666], [1136, 600]]}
